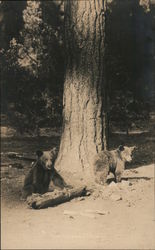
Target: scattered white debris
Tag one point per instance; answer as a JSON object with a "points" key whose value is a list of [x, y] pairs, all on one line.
{"points": [[80, 198], [113, 184], [88, 193], [100, 212], [70, 212], [93, 216], [116, 197], [125, 184], [88, 213], [110, 176]]}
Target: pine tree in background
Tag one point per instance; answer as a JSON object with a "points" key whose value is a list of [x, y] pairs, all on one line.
{"points": [[40, 48], [37, 65], [31, 41]]}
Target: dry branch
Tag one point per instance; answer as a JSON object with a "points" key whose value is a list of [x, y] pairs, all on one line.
{"points": [[20, 156], [51, 199]]}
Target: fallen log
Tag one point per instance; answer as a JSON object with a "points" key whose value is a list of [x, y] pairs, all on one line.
{"points": [[50, 199], [5, 164], [13, 155]]}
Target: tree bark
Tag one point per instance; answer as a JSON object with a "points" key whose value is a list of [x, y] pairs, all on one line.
{"points": [[82, 135], [51, 199]]}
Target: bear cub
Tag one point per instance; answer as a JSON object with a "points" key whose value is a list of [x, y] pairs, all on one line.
{"points": [[42, 173], [112, 161]]}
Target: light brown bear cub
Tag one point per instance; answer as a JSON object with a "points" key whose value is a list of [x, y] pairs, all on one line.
{"points": [[112, 161], [42, 173]]}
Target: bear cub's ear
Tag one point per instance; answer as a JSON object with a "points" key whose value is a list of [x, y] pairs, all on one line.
{"points": [[121, 148], [39, 153], [54, 150]]}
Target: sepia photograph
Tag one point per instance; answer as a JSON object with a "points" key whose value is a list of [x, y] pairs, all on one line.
{"points": [[77, 165]]}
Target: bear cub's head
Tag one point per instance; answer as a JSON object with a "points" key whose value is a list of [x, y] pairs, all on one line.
{"points": [[126, 153], [47, 158]]}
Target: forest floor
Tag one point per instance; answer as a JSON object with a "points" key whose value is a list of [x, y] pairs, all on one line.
{"points": [[117, 216]]}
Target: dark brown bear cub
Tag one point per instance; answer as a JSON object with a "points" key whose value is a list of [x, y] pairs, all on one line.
{"points": [[41, 173], [112, 161]]}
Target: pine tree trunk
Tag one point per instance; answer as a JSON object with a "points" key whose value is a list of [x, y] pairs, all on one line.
{"points": [[82, 135]]}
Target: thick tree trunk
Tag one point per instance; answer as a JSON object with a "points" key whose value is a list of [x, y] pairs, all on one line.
{"points": [[82, 135]]}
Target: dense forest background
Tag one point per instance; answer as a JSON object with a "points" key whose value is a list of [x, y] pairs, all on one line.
{"points": [[32, 52]]}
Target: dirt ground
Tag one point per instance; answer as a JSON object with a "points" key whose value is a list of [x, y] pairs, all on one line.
{"points": [[118, 216]]}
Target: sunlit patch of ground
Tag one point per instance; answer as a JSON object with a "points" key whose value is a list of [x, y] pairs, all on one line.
{"points": [[127, 221]]}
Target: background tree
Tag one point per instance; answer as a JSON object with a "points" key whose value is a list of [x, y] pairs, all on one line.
{"points": [[32, 63], [34, 79], [11, 21], [128, 63], [82, 134]]}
